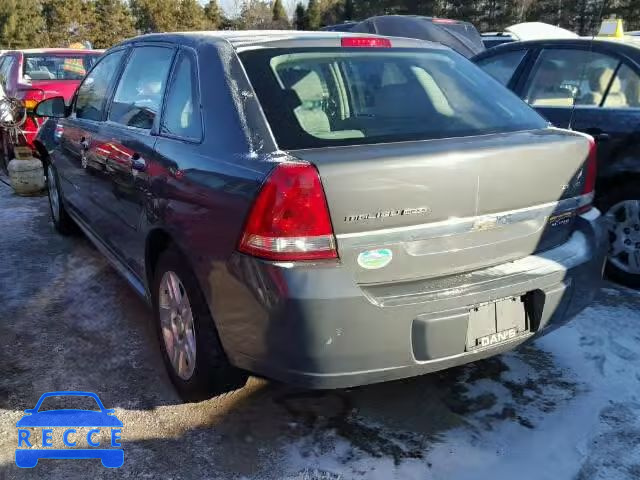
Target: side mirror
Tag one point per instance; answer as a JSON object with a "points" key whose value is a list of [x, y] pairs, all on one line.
{"points": [[51, 107]]}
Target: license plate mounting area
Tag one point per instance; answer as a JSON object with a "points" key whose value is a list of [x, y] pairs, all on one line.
{"points": [[493, 323]]}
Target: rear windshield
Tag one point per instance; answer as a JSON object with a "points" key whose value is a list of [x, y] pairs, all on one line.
{"points": [[319, 97], [57, 67]]}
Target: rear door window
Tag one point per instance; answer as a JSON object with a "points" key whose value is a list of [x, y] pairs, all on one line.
{"points": [[503, 66], [562, 76], [138, 97], [624, 91], [182, 108], [325, 96]]}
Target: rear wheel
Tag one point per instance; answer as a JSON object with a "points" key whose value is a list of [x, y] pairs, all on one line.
{"points": [[61, 219], [190, 345], [622, 213]]}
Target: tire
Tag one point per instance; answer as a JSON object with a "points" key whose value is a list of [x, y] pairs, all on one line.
{"points": [[621, 208], [206, 373], [62, 222]]}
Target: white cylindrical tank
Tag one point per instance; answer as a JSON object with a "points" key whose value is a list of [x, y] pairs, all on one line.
{"points": [[26, 176]]}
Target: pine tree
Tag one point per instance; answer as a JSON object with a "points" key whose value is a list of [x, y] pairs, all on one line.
{"points": [[312, 16], [255, 15], [278, 11], [155, 15], [213, 15], [113, 23], [299, 17], [348, 10], [7, 22], [66, 21], [191, 16], [21, 24], [629, 10]]}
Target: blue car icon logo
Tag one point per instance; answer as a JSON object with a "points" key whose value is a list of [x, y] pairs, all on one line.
{"points": [[29, 451]]}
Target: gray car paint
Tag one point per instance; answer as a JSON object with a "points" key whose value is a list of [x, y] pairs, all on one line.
{"points": [[330, 323]]}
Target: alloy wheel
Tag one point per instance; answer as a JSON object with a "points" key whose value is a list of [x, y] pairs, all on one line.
{"points": [[54, 195], [176, 322], [623, 223]]}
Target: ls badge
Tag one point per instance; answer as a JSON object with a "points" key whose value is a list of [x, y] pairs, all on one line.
{"points": [[374, 259]]}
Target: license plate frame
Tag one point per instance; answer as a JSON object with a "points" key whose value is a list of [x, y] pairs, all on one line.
{"points": [[497, 322]]}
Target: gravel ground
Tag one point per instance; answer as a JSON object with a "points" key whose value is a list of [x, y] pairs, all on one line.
{"points": [[69, 322]]}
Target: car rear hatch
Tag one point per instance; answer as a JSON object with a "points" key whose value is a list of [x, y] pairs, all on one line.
{"points": [[430, 167], [442, 207]]}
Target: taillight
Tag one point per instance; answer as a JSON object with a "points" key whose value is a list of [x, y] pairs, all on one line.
{"points": [[289, 220], [31, 97], [375, 42], [590, 173]]}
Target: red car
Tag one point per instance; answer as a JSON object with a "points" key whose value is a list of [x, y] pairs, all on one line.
{"points": [[34, 75]]}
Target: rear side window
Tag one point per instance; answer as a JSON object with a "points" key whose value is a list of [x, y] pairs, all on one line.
{"points": [[57, 67], [624, 91], [139, 94], [562, 76], [325, 96], [92, 94], [182, 109], [5, 71], [502, 67]]}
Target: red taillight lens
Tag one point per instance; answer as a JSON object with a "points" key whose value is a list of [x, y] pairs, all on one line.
{"points": [[365, 42], [290, 219], [31, 97], [591, 168], [591, 171]]}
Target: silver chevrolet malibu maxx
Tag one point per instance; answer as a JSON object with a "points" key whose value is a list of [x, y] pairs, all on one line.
{"points": [[325, 209]]}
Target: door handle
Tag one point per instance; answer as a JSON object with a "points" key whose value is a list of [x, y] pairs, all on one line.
{"points": [[138, 163]]}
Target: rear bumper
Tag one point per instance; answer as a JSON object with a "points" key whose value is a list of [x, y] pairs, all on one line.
{"points": [[315, 327]]}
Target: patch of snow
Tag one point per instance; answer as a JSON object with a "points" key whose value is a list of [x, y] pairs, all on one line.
{"points": [[565, 407]]}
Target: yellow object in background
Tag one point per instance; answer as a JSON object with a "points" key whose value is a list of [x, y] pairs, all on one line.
{"points": [[74, 65], [611, 28]]}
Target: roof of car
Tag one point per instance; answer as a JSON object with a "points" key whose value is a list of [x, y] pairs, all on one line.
{"points": [[628, 45], [245, 38]]}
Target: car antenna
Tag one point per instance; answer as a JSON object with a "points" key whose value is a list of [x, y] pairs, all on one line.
{"points": [[584, 65]]}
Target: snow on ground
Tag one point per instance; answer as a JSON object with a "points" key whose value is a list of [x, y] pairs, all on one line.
{"points": [[566, 407]]}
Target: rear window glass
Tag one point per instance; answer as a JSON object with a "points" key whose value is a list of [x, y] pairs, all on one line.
{"points": [[57, 67], [325, 96]]}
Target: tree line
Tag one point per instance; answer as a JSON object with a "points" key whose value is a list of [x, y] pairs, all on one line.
{"points": [[57, 23], [581, 16]]}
